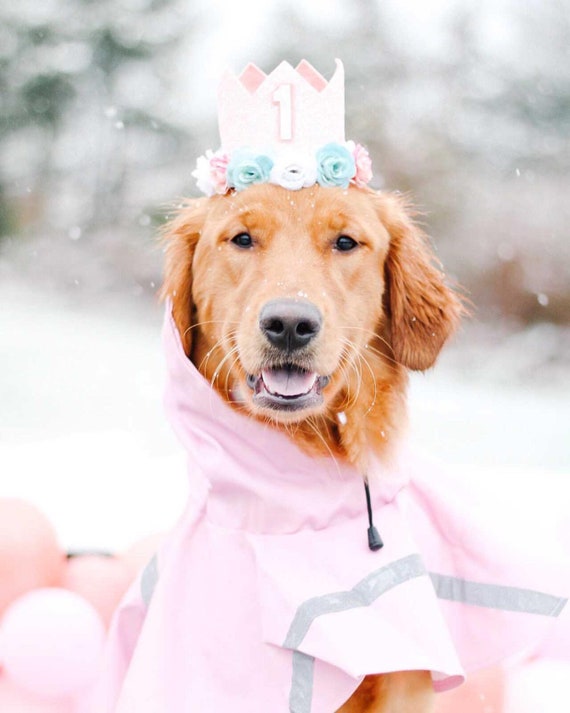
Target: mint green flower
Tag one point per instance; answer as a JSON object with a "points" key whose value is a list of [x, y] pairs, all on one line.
{"points": [[246, 168], [336, 166]]}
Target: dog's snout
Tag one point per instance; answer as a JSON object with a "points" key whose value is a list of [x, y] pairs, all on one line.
{"points": [[289, 324]]}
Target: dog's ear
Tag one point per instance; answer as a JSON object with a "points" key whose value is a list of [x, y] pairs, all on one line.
{"points": [[422, 310], [180, 236]]}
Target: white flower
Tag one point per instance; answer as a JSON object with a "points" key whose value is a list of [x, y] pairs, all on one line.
{"points": [[292, 174], [203, 175]]}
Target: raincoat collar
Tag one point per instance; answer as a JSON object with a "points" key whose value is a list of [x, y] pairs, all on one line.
{"points": [[253, 476]]}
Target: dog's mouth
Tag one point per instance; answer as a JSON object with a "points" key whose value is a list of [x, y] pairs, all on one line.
{"points": [[287, 388]]}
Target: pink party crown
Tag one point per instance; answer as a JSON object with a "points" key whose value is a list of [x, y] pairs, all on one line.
{"points": [[296, 108], [286, 127]]}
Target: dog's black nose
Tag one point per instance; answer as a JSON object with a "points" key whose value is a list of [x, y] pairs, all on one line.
{"points": [[289, 324]]}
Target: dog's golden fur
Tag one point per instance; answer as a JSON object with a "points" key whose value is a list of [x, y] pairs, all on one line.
{"points": [[385, 309]]}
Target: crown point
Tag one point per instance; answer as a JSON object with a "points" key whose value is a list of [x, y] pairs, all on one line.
{"points": [[252, 77], [310, 74]]}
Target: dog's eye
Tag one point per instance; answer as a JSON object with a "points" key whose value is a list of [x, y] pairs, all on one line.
{"points": [[243, 240], [344, 243]]}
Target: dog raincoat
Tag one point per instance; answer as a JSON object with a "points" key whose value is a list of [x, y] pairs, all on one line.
{"points": [[266, 597]]}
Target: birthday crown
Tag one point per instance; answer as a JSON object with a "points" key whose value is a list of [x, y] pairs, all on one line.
{"points": [[286, 128]]}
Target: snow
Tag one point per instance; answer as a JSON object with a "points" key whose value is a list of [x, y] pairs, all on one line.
{"points": [[496, 428], [82, 431]]}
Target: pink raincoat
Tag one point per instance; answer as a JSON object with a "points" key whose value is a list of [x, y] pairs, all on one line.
{"points": [[266, 597]]}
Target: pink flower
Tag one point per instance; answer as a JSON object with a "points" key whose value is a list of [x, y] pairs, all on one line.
{"points": [[218, 170], [363, 163]]}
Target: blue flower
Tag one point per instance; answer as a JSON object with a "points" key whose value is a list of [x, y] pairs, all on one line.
{"points": [[246, 168], [336, 166]]}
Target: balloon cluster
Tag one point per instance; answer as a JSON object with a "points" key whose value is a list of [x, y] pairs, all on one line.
{"points": [[54, 610]]}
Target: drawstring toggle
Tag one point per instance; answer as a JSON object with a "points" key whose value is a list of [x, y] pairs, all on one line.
{"points": [[374, 539]]}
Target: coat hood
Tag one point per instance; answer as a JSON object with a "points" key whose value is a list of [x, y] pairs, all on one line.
{"points": [[271, 485]]}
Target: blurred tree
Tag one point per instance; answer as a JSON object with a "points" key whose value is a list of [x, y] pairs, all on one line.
{"points": [[510, 96], [507, 115], [475, 124], [85, 124]]}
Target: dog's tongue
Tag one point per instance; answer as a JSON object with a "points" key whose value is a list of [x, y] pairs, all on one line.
{"points": [[288, 382]]}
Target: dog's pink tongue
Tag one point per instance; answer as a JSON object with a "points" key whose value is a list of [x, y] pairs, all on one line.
{"points": [[286, 382]]}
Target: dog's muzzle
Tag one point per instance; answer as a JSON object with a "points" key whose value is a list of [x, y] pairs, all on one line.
{"points": [[287, 384]]}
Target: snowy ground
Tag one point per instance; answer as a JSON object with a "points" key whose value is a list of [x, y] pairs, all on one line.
{"points": [[81, 427], [82, 432]]}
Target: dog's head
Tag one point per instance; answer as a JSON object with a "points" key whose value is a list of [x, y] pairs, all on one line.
{"points": [[307, 304]]}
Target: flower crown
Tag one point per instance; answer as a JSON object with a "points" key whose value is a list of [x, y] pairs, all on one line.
{"points": [[331, 165], [299, 115]]}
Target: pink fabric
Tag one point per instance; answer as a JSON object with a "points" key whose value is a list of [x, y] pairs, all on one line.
{"points": [[267, 598]]}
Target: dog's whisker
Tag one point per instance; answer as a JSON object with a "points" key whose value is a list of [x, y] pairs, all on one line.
{"points": [[348, 361], [205, 322], [217, 345], [355, 361], [313, 426], [364, 361], [343, 369], [351, 396], [220, 366], [383, 355], [229, 372], [374, 335], [202, 367]]}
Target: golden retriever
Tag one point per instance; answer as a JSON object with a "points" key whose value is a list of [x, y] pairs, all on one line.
{"points": [[306, 309]]}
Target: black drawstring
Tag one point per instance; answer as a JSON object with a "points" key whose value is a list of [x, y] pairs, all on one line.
{"points": [[374, 539]]}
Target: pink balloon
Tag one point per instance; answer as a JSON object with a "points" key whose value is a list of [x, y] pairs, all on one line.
{"points": [[51, 643], [101, 580], [30, 555]]}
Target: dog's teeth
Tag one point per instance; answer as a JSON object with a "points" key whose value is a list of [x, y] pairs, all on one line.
{"points": [[288, 382]]}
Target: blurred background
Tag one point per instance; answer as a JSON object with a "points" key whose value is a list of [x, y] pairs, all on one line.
{"points": [[105, 106]]}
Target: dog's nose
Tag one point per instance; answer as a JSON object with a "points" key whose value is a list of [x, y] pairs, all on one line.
{"points": [[289, 324]]}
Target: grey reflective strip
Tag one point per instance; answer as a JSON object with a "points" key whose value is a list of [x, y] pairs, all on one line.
{"points": [[301, 696], [149, 578], [361, 595], [495, 596]]}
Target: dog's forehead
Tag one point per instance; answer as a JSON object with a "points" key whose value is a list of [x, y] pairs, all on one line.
{"points": [[332, 208]]}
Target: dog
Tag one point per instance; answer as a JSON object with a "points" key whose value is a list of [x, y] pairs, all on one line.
{"points": [[306, 310]]}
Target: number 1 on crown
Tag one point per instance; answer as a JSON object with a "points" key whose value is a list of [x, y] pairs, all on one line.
{"points": [[283, 97]]}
